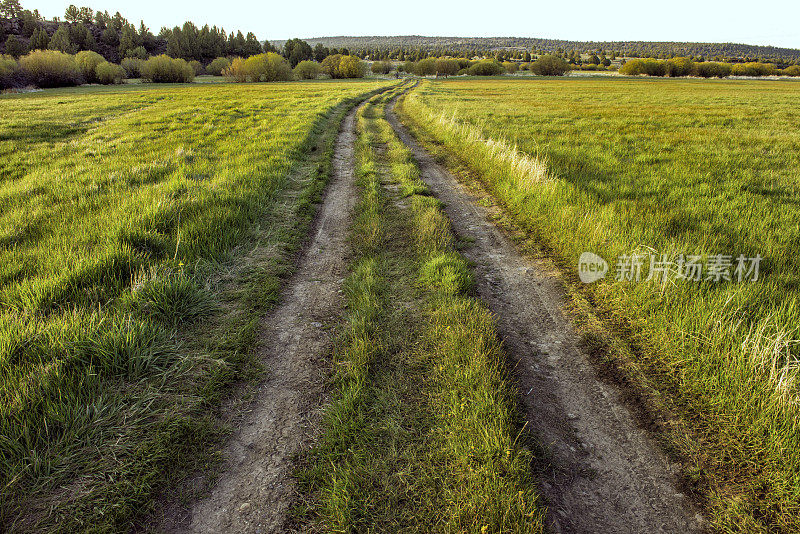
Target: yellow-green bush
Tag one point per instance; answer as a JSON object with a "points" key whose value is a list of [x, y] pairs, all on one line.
{"points": [[164, 69], [50, 68], [339, 66], [109, 73], [132, 66], [218, 66], [236, 70], [9, 72], [712, 69], [794, 70], [87, 62], [307, 70], [550, 65], [269, 67], [754, 69]]}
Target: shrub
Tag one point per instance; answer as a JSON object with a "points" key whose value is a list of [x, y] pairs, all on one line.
{"points": [[197, 67], [680, 66], [381, 67], [218, 66], [351, 67], [269, 67], [307, 70], [164, 69], [510, 67], [447, 67], [753, 69], [139, 52], [9, 72], [711, 69], [425, 67], [132, 66], [486, 67], [87, 62], [236, 71], [50, 68], [339, 66], [794, 70], [650, 67], [550, 65], [109, 73]]}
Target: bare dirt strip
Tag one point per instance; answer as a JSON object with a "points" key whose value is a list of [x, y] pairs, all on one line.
{"points": [[601, 472], [256, 489]]}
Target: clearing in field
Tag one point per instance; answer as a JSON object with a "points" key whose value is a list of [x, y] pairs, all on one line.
{"points": [[620, 167]]}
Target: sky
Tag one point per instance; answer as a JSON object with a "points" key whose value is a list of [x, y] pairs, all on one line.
{"points": [[767, 22]]}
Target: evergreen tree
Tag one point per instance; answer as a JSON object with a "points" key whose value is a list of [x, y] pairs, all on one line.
{"points": [[61, 40], [15, 47], [10, 9], [40, 40], [72, 14], [127, 40]]}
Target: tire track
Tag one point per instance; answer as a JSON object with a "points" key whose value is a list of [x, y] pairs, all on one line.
{"points": [[256, 487], [602, 474]]}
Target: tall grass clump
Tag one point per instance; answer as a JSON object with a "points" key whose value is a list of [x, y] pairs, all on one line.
{"points": [[722, 357], [164, 69]]}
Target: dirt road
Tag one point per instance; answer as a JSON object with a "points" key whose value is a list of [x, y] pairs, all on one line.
{"points": [[256, 487], [604, 474]]}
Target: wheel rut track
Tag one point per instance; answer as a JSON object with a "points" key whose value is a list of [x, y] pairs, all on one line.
{"points": [[256, 488], [602, 473]]}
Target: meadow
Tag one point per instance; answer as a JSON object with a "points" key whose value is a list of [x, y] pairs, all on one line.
{"points": [[126, 216], [666, 167]]}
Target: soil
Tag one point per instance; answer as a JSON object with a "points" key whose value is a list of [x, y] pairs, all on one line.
{"points": [[598, 471]]}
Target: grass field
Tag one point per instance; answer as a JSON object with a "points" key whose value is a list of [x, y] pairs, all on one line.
{"points": [[126, 215], [421, 433], [624, 166]]}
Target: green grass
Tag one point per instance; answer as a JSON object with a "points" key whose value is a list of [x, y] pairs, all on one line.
{"points": [[143, 232], [420, 435], [616, 166]]}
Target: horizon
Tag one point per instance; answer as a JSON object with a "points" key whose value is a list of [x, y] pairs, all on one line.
{"points": [[618, 21]]}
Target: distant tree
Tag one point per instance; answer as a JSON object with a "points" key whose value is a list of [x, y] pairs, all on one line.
{"points": [[29, 23], [10, 9], [86, 15], [81, 37], [594, 60], [127, 40], [252, 45], [110, 36], [15, 47], [320, 52], [61, 40], [40, 40], [269, 47], [297, 50], [72, 14], [139, 52]]}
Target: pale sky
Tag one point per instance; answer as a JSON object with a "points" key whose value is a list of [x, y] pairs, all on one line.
{"points": [[767, 22]]}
